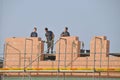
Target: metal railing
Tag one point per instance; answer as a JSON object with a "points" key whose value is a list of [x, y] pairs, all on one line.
{"points": [[67, 66]]}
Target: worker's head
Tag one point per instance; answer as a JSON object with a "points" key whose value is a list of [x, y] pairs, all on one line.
{"points": [[66, 29], [35, 29], [46, 29]]}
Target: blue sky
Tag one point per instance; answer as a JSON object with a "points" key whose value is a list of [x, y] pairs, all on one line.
{"points": [[84, 18]]}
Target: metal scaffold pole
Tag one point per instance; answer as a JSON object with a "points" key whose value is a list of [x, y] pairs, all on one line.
{"points": [[58, 63], [94, 58], [25, 59], [5, 52]]}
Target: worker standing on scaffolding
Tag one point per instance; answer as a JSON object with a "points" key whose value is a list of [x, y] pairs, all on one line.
{"points": [[50, 40], [34, 33], [65, 33]]}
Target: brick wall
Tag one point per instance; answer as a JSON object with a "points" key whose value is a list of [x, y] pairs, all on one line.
{"points": [[68, 48], [19, 49]]}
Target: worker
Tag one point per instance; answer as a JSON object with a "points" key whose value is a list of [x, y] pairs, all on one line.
{"points": [[50, 40], [34, 33], [65, 33]]}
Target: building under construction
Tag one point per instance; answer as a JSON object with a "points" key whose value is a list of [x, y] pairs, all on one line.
{"points": [[26, 57]]}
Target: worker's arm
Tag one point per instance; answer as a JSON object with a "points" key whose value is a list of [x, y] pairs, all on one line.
{"points": [[53, 36], [62, 34]]}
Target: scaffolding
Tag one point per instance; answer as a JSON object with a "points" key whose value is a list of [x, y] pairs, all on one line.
{"points": [[65, 68]]}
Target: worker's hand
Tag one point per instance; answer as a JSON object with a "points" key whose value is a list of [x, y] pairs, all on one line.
{"points": [[52, 39], [47, 42], [43, 41]]}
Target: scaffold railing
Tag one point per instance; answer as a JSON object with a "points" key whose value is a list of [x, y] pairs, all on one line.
{"points": [[64, 65]]}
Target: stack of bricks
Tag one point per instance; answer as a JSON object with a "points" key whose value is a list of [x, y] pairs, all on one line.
{"points": [[20, 52], [68, 49], [99, 50], [98, 44]]}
